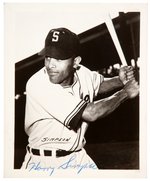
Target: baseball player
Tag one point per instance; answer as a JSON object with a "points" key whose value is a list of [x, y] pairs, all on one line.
{"points": [[60, 104]]}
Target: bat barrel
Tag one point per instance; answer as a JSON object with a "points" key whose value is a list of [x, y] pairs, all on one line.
{"points": [[115, 39]]}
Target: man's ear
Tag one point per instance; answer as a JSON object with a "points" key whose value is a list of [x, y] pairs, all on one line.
{"points": [[77, 61]]}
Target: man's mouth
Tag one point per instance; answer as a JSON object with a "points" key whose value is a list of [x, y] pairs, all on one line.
{"points": [[52, 73]]}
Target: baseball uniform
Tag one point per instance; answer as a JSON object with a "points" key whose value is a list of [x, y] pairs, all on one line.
{"points": [[53, 117]]}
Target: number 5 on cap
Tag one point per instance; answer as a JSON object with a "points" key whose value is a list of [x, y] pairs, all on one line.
{"points": [[55, 36]]}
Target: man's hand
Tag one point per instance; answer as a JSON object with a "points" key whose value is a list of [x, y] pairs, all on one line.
{"points": [[126, 74], [131, 88]]}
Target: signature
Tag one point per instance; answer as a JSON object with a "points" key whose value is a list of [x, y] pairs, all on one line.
{"points": [[66, 165], [79, 167]]}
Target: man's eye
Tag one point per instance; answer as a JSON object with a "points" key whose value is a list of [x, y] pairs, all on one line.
{"points": [[59, 60], [47, 57]]}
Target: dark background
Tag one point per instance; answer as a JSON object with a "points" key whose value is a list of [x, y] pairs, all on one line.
{"points": [[112, 142]]}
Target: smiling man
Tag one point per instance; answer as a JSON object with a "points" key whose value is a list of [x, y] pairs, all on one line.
{"points": [[60, 102]]}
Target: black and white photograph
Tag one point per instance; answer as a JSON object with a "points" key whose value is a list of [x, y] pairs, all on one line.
{"points": [[75, 90]]}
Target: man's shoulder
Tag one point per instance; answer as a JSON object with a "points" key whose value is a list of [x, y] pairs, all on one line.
{"points": [[36, 76], [82, 68], [84, 71], [88, 75]]}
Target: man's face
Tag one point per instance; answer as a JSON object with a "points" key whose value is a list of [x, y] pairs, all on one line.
{"points": [[60, 71]]}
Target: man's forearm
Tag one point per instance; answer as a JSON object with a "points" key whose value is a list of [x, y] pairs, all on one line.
{"points": [[110, 84], [101, 108]]}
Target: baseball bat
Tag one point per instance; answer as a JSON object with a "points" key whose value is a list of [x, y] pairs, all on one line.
{"points": [[115, 39]]}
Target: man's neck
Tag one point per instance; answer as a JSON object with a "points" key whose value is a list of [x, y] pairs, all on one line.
{"points": [[71, 83]]}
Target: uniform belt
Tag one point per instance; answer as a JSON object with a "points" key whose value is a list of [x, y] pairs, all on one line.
{"points": [[59, 153]]}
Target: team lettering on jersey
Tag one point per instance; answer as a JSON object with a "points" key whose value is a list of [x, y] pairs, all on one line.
{"points": [[47, 139]]}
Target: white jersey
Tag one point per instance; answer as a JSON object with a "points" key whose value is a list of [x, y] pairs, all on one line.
{"points": [[53, 112]]}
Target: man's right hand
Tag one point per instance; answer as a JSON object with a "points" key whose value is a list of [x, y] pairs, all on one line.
{"points": [[126, 74], [131, 88]]}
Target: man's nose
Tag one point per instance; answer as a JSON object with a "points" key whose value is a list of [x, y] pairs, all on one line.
{"points": [[52, 63]]}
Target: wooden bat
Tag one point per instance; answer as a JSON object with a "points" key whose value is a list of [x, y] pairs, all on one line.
{"points": [[115, 39]]}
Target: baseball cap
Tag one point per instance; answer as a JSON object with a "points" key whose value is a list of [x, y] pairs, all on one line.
{"points": [[61, 43]]}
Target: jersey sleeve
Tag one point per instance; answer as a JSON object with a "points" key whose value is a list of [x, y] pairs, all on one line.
{"points": [[90, 81], [97, 79], [56, 102]]}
